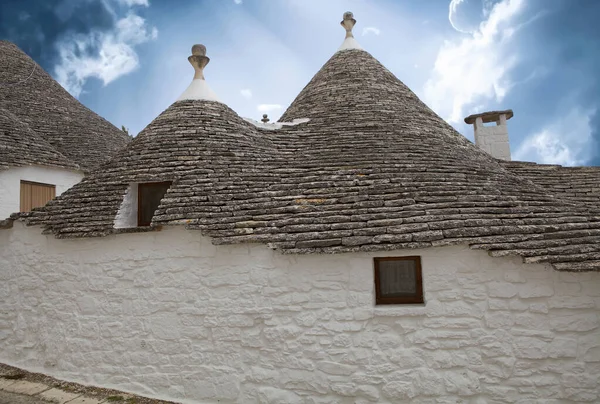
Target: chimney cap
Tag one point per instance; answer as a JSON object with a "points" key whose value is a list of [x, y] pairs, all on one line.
{"points": [[490, 116]]}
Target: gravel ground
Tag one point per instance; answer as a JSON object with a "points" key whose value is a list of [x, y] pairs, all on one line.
{"points": [[10, 372], [11, 398]]}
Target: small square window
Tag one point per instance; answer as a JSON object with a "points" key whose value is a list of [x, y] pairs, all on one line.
{"points": [[398, 280], [149, 197]]}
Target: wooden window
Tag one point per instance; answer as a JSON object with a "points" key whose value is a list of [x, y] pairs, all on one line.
{"points": [[149, 196], [398, 280], [35, 195]]}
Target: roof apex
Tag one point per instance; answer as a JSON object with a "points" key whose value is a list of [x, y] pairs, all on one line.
{"points": [[199, 88], [348, 23]]}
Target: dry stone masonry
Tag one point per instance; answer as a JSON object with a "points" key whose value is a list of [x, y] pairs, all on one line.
{"points": [[492, 139], [74, 132], [170, 315], [254, 306], [372, 168]]}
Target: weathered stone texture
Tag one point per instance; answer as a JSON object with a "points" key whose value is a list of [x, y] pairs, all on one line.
{"points": [[41, 123], [171, 315], [373, 169]]}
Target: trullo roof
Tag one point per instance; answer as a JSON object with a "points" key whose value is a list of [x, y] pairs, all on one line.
{"points": [[36, 99], [20, 146], [370, 168]]}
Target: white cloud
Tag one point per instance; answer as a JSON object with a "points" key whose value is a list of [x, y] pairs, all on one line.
{"points": [[237, 1], [371, 30], [132, 3], [268, 107], [567, 141], [453, 11], [246, 93], [476, 67], [114, 57]]}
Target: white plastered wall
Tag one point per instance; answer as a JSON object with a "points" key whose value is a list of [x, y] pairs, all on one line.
{"points": [[169, 315], [10, 184], [127, 214]]}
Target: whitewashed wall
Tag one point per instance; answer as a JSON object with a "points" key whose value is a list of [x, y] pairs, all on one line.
{"points": [[169, 315], [10, 184], [493, 139]]}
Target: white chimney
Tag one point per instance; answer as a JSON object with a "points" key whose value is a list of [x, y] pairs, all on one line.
{"points": [[494, 138]]}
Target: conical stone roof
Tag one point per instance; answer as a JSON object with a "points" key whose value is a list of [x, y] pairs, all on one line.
{"points": [[20, 146], [31, 94], [373, 169]]}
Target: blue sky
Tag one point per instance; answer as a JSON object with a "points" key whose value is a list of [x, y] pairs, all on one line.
{"points": [[127, 59]]}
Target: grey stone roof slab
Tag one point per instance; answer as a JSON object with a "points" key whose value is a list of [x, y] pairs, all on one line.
{"points": [[373, 169], [578, 184], [37, 100], [21, 146]]}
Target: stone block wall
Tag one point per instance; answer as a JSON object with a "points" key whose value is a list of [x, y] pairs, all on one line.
{"points": [[169, 315], [493, 139]]}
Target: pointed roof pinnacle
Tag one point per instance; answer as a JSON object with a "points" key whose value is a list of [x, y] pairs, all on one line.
{"points": [[199, 89], [199, 60], [348, 23]]}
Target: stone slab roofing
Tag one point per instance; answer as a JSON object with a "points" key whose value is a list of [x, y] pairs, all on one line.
{"points": [[372, 169], [32, 95], [20, 146], [578, 184]]}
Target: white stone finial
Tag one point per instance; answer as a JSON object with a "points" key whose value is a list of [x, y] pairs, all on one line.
{"points": [[198, 89], [199, 60], [348, 23]]}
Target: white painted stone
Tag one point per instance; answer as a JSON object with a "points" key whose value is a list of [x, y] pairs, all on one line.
{"points": [[571, 302], [127, 215], [493, 139], [276, 125], [501, 289], [10, 184], [199, 90], [528, 291], [575, 322], [531, 348], [349, 44], [167, 314]]}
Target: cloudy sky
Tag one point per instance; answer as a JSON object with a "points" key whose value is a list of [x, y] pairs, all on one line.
{"points": [[127, 59]]}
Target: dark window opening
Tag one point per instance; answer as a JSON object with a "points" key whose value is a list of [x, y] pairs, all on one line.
{"points": [[149, 197], [398, 280]]}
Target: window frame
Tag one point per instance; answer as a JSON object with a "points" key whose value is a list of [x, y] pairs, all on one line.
{"points": [[416, 299], [140, 201]]}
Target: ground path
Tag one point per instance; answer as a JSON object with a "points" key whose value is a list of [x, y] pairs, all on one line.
{"points": [[17, 386]]}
